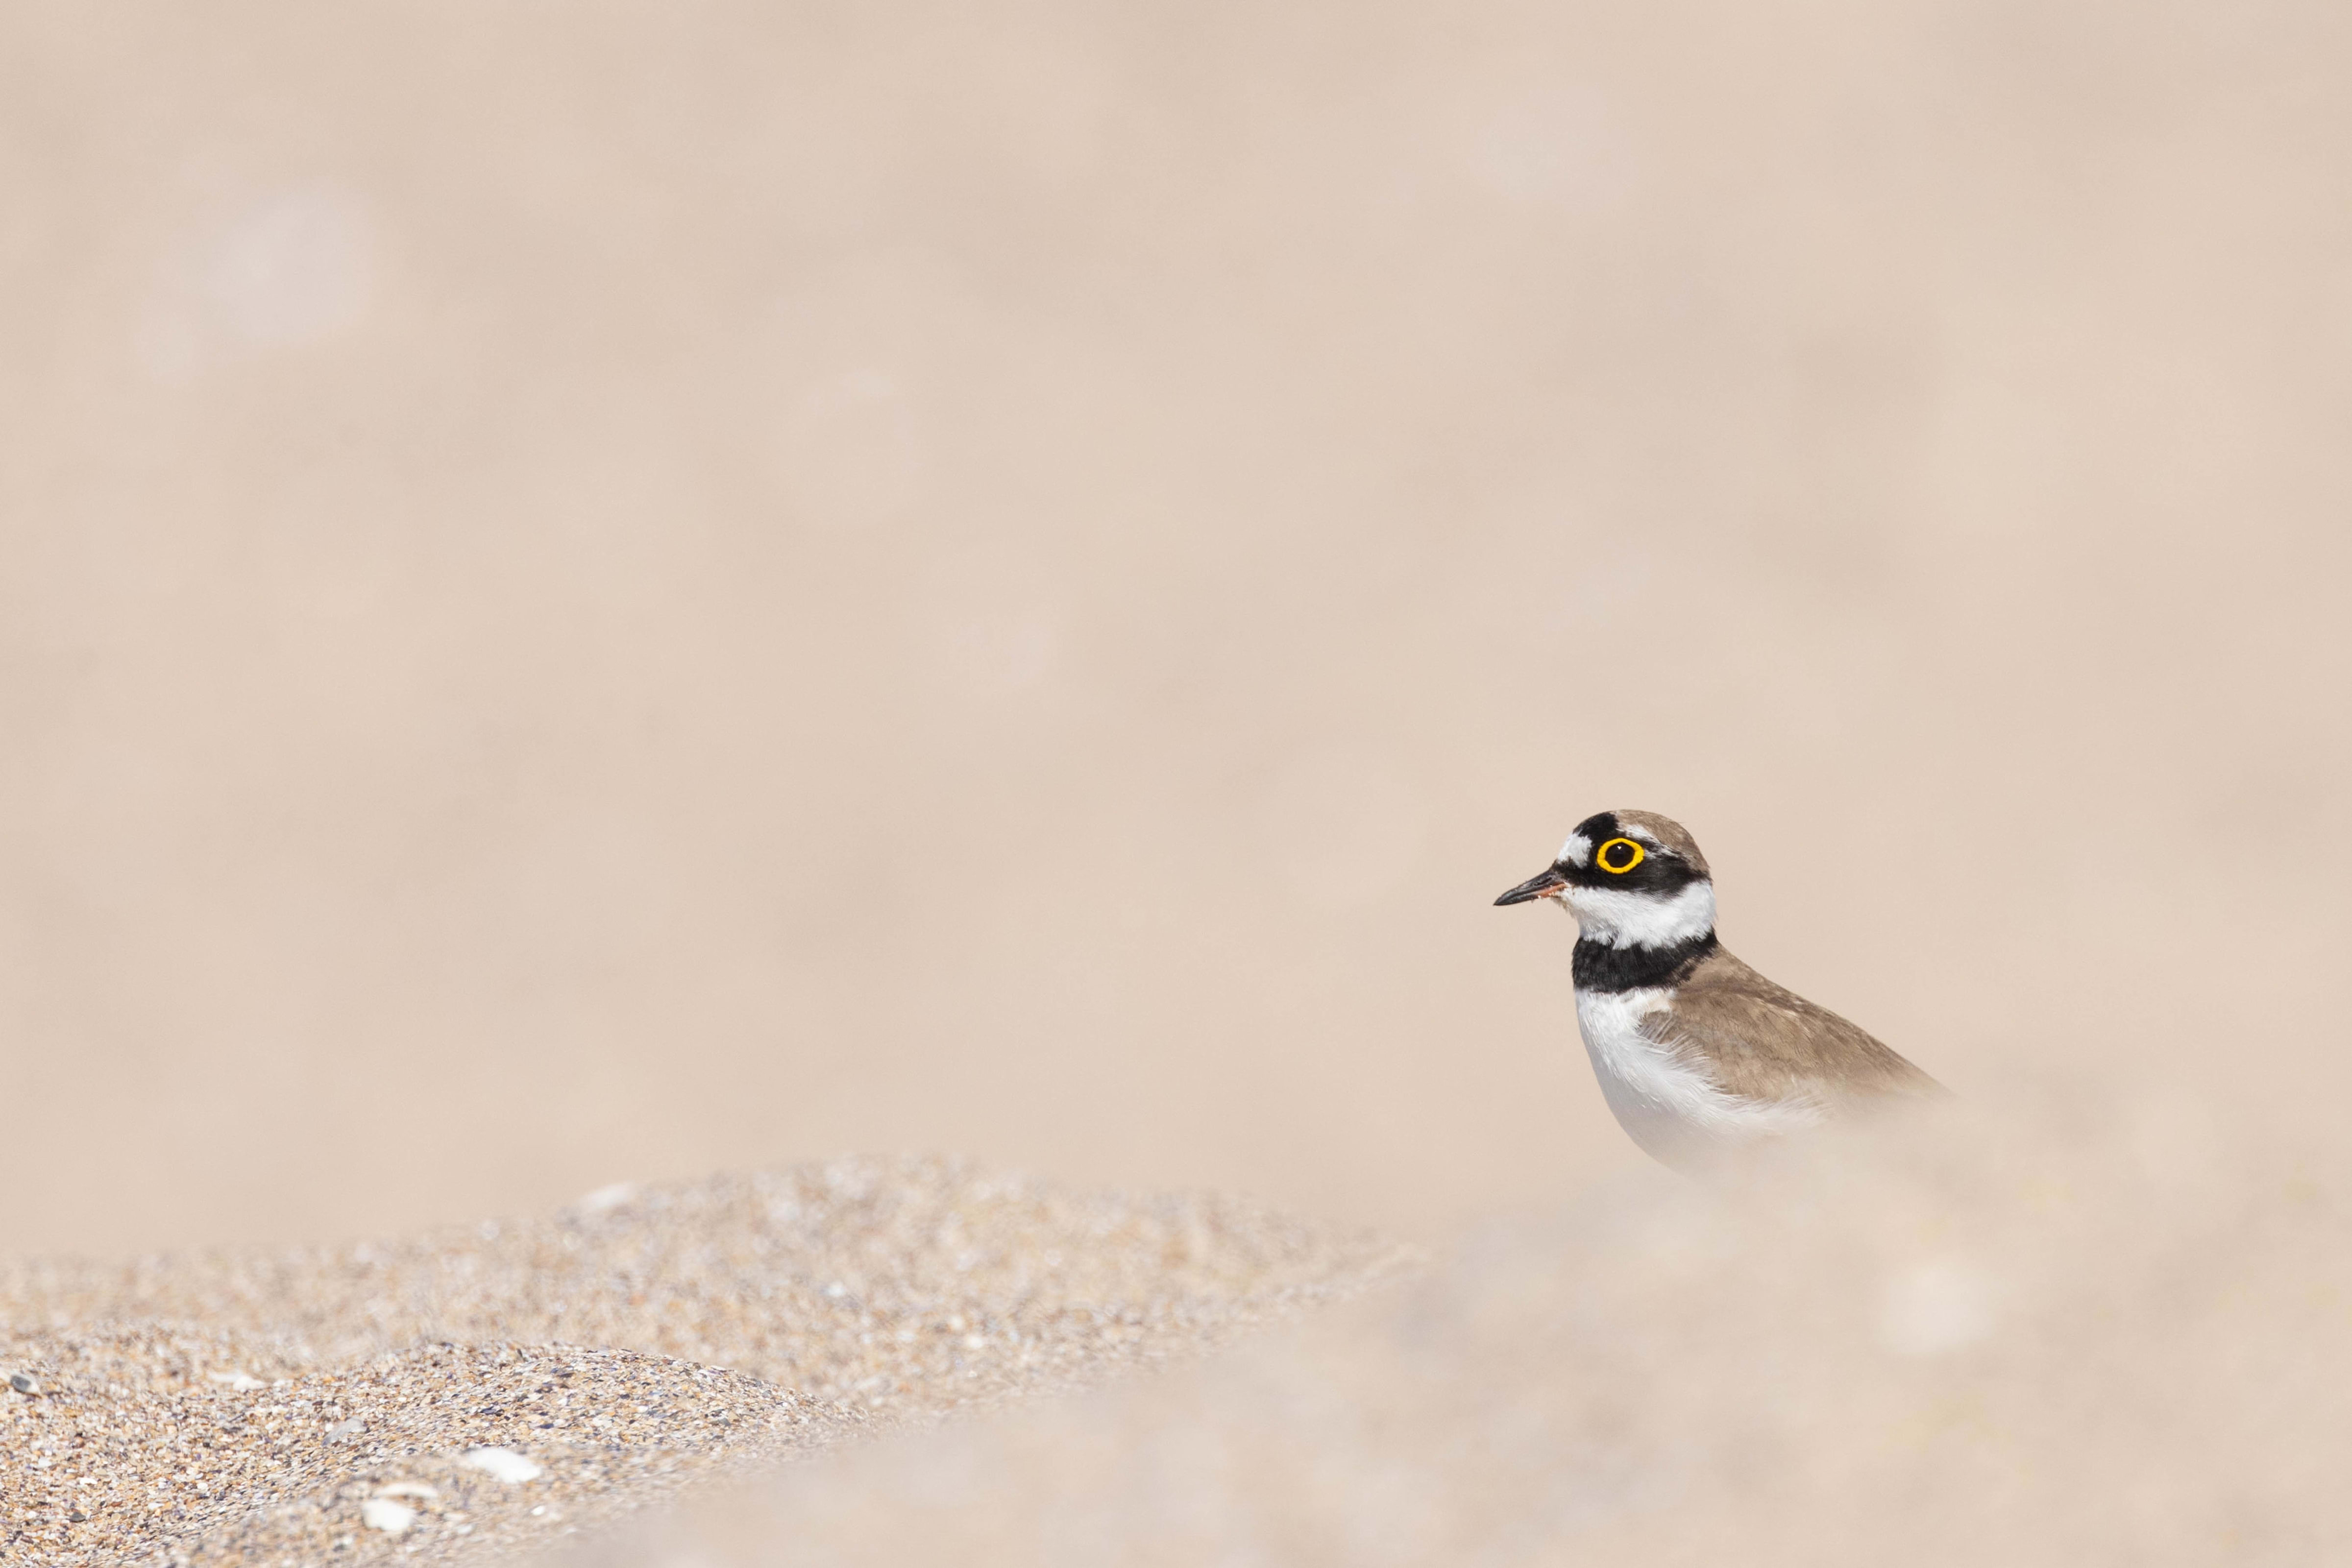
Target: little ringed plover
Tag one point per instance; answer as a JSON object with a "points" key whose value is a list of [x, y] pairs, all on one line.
{"points": [[1696, 1051]]}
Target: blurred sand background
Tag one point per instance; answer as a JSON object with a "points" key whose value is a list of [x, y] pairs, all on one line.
{"points": [[615, 592]]}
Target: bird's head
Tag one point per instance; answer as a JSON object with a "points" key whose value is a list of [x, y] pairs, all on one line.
{"points": [[1632, 879]]}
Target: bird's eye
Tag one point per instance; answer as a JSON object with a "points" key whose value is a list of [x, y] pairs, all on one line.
{"points": [[1618, 856]]}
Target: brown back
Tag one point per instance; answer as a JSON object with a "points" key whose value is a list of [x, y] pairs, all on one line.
{"points": [[1764, 1041]]}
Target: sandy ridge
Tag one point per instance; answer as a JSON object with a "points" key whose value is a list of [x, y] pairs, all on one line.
{"points": [[247, 1405]]}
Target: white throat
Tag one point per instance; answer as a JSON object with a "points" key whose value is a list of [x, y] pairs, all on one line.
{"points": [[1616, 918]]}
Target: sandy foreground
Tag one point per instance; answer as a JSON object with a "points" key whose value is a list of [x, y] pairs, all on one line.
{"points": [[2075, 1336], [2062, 1337], [482, 1390]]}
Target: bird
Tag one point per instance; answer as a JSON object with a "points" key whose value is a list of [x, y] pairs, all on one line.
{"points": [[1697, 1054]]}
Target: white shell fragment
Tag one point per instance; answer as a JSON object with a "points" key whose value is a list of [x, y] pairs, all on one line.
{"points": [[505, 1464], [243, 1382], [382, 1513]]}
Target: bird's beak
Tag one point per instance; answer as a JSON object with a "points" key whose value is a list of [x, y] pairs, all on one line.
{"points": [[1551, 879]]}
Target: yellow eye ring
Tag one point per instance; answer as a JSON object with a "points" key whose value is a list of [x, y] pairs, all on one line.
{"points": [[1635, 855]]}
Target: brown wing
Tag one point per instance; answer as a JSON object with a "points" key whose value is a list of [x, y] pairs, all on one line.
{"points": [[1763, 1041]]}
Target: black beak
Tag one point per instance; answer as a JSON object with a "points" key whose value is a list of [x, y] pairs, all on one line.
{"points": [[1539, 887]]}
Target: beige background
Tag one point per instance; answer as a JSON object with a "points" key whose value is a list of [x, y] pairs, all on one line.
{"points": [[605, 592]]}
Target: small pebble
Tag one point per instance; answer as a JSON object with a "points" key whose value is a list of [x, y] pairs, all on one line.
{"points": [[382, 1513], [24, 1383], [505, 1464], [606, 1199]]}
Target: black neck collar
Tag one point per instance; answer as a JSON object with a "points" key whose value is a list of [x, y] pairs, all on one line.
{"points": [[1601, 967]]}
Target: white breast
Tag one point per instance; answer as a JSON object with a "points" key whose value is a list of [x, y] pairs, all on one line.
{"points": [[1662, 1097]]}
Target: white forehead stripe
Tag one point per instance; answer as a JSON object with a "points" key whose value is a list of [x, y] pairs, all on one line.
{"points": [[1635, 830], [1576, 851]]}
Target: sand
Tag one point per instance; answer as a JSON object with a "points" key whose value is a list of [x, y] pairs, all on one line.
{"points": [[2101, 1332], [292, 1406], [2098, 1328]]}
